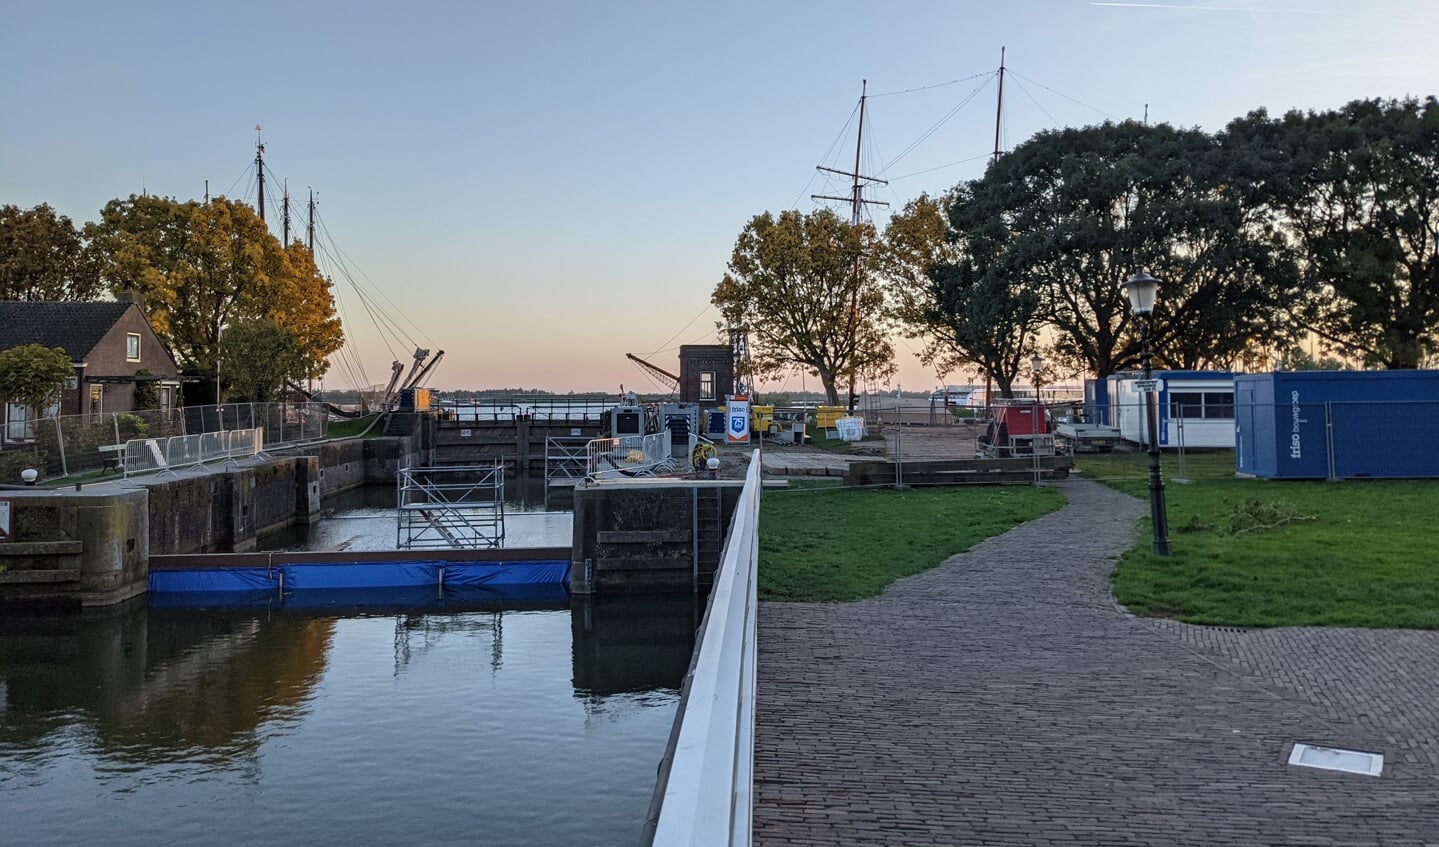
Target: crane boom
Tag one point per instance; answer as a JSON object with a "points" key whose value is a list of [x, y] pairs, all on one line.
{"points": [[657, 372]]}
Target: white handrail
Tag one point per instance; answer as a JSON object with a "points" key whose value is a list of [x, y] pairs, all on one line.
{"points": [[708, 794]]}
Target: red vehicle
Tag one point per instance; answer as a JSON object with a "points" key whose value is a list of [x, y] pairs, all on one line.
{"points": [[1017, 426]]}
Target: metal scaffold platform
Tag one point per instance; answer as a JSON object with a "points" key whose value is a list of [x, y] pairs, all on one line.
{"points": [[460, 507]]}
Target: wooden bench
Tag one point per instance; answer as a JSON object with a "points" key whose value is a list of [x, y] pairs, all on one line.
{"points": [[112, 456]]}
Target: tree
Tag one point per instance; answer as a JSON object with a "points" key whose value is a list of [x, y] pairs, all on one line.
{"points": [[949, 284], [42, 257], [33, 375], [259, 357], [309, 311], [1085, 208], [804, 288], [1358, 188], [203, 266]]}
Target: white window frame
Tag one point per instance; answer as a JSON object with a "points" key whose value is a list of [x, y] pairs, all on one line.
{"points": [[132, 339]]}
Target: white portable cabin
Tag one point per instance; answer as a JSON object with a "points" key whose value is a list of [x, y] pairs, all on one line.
{"points": [[1196, 408]]}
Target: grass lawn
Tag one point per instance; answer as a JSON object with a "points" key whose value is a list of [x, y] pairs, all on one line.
{"points": [[1353, 553], [352, 426], [827, 543]]}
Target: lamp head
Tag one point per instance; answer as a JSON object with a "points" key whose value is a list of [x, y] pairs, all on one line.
{"points": [[1143, 290], [29, 475], [1036, 363]]}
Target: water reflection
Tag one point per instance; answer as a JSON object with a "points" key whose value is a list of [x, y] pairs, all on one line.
{"points": [[336, 726]]}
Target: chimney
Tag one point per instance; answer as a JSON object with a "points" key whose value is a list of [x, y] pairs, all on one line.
{"points": [[130, 295]]}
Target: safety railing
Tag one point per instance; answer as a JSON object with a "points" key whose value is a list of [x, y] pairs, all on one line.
{"points": [[68, 445], [548, 409], [631, 455], [148, 455], [566, 458], [706, 786]]}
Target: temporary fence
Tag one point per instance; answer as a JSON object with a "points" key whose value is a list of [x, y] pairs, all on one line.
{"points": [[566, 458], [705, 792], [179, 452], [69, 445], [631, 455]]}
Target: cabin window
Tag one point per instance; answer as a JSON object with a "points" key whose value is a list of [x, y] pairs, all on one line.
{"points": [[707, 385], [1201, 405], [132, 347]]}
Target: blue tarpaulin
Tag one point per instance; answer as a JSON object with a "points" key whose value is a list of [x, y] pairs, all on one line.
{"points": [[313, 584]]}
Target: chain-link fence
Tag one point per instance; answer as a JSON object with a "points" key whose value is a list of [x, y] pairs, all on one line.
{"points": [[73, 445]]}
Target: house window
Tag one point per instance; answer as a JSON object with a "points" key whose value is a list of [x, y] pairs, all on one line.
{"points": [[132, 347], [707, 385], [97, 401]]}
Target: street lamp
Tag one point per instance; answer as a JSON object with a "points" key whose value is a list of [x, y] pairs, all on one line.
{"points": [[1143, 289], [1036, 363]]}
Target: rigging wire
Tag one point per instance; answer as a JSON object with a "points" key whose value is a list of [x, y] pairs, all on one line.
{"points": [[942, 121], [1036, 103], [706, 308], [1059, 94], [844, 130], [935, 85], [895, 179]]}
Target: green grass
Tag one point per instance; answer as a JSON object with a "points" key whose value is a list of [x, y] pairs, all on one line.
{"points": [[826, 543], [1353, 553], [351, 427]]}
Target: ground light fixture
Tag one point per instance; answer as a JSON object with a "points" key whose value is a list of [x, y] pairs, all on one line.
{"points": [[1143, 291], [29, 475]]}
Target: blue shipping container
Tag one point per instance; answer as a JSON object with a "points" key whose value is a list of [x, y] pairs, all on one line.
{"points": [[1337, 424]]}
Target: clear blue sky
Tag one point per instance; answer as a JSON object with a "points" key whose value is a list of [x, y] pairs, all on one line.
{"points": [[542, 187]]}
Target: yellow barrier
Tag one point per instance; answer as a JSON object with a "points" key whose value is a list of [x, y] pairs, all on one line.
{"points": [[825, 416], [760, 418]]}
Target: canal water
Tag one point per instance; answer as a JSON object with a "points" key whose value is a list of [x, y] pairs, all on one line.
{"points": [[523, 723], [443, 726]]}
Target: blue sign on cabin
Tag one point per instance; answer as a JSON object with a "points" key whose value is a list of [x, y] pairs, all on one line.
{"points": [[1337, 424]]}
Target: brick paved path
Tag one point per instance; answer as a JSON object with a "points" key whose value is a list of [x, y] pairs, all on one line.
{"points": [[1003, 698]]}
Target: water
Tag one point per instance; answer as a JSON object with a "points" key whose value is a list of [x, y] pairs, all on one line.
{"points": [[364, 519], [482, 725]]}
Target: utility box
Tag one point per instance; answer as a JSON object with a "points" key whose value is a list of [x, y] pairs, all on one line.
{"points": [[414, 400], [627, 421], [1337, 424]]}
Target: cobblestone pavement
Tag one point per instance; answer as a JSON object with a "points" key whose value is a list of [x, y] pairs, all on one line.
{"points": [[1004, 698]]}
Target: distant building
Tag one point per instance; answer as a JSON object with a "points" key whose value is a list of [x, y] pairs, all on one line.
{"points": [[706, 373], [109, 344]]}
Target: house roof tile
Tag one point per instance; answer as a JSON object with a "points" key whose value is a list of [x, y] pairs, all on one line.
{"points": [[74, 327]]}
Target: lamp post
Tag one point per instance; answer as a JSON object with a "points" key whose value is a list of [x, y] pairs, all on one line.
{"points": [[1035, 363], [1143, 290]]}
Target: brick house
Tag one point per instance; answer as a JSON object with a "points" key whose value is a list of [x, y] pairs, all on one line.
{"points": [[108, 343]]}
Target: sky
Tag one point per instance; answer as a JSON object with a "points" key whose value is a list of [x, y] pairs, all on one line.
{"points": [[538, 188]]}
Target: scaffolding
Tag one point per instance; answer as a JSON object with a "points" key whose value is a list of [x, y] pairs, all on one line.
{"points": [[460, 507]]}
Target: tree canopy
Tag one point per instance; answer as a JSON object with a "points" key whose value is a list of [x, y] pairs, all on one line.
{"points": [[804, 288], [201, 266], [258, 357], [33, 376], [1357, 189], [42, 257]]}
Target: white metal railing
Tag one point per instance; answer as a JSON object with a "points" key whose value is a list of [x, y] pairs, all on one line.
{"points": [[707, 794], [566, 457], [144, 455], [630, 455]]}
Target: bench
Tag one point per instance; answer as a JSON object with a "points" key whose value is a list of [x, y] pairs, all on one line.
{"points": [[112, 456]]}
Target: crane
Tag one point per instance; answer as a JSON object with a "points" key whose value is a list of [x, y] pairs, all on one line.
{"points": [[657, 372]]}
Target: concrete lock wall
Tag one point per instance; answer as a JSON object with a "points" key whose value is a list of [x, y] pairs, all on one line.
{"points": [[92, 547], [636, 536], [76, 548]]}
